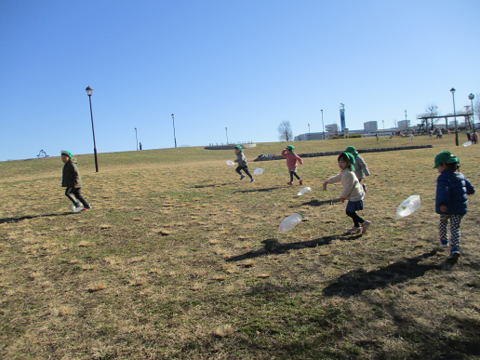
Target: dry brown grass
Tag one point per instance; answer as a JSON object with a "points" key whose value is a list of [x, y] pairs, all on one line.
{"points": [[182, 260]]}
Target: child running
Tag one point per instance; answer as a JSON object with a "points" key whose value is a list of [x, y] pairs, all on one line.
{"points": [[73, 182], [361, 169], [292, 159], [352, 191], [242, 163], [451, 200]]}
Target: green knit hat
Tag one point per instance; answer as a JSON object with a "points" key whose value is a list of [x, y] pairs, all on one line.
{"points": [[352, 150], [446, 157], [68, 153], [351, 159], [239, 147], [290, 147]]}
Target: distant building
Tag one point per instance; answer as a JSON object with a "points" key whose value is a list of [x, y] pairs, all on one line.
{"points": [[332, 129], [370, 126], [403, 124], [310, 136]]}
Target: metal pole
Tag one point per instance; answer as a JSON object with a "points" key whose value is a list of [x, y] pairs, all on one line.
{"points": [[226, 133], [471, 97], [323, 126], [455, 114], [136, 137], [93, 131], [309, 128], [174, 136]]}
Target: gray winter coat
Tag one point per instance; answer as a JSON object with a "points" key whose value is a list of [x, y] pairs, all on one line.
{"points": [[361, 169], [241, 159]]}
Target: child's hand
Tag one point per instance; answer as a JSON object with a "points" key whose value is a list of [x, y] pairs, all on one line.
{"points": [[325, 185], [443, 208], [342, 199]]}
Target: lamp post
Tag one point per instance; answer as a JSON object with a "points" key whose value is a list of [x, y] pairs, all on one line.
{"points": [[471, 97], [323, 126], [226, 134], [383, 127], [455, 114], [89, 93], [174, 137], [309, 128], [136, 136]]}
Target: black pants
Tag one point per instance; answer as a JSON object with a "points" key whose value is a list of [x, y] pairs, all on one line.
{"points": [[292, 174], [357, 220], [244, 168], [75, 194]]}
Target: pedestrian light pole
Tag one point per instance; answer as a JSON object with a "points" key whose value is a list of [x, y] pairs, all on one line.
{"points": [[471, 97], [309, 128], [136, 136], [89, 91], [174, 137], [455, 114], [226, 134]]}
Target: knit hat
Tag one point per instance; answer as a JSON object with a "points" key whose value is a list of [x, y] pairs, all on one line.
{"points": [[290, 147], [445, 157], [352, 150], [239, 147], [68, 153], [351, 159]]}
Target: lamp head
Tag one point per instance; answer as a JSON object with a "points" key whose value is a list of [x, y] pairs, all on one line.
{"points": [[89, 91], [452, 90], [471, 96]]}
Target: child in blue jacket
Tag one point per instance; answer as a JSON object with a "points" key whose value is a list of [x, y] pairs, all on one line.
{"points": [[451, 200]]}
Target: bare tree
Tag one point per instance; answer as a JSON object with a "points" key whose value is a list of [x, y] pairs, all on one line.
{"points": [[285, 131], [431, 110]]}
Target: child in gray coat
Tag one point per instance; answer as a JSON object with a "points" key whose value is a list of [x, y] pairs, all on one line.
{"points": [[361, 169], [242, 163]]}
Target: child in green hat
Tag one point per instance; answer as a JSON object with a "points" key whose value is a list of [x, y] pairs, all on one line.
{"points": [[451, 200], [352, 191], [73, 182], [292, 159], [361, 169], [242, 163]]}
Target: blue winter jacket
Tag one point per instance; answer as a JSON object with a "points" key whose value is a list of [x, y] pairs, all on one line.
{"points": [[452, 190]]}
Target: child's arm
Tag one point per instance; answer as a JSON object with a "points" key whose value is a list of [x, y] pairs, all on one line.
{"points": [[443, 193], [469, 186], [299, 160], [284, 153], [332, 180], [363, 166]]}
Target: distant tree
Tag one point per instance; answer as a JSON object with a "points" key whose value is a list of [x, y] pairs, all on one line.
{"points": [[285, 131], [431, 110]]}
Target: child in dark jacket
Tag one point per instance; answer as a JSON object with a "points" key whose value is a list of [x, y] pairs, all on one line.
{"points": [[242, 163], [292, 159], [451, 200], [73, 182]]}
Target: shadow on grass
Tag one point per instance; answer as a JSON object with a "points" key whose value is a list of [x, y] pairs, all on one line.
{"points": [[318, 203], [211, 185], [272, 246], [257, 190], [18, 219], [357, 281]]}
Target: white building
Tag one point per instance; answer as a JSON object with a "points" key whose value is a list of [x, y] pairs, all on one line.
{"points": [[370, 126], [403, 124]]}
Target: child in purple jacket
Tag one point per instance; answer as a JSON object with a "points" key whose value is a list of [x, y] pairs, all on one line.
{"points": [[292, 158], [451, 200]]}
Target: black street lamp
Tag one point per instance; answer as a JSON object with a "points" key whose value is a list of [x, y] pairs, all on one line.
{"points": [[471, 97], [309, 128], [136, 136], [226, 133], [174, 137], [455, 114], [89, 93], [323, 126]]}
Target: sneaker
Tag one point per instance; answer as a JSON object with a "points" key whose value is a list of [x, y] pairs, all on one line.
{"points": [[89, 207], [253, 180], [301, 182], [365, 226], [355, 230], [241, 177], [454, 253], [443, 242], [290, 183], [76, 209]]}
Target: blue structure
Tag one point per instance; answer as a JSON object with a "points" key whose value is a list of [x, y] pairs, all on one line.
{"points": [[342, 118]]}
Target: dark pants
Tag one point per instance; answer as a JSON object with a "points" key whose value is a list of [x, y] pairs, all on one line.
{"points": [[244, 168], [75, 194], [292, 174], [357, 220]]}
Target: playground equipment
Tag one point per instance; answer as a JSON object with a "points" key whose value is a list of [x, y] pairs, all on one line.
{"points": [[42, 154]]}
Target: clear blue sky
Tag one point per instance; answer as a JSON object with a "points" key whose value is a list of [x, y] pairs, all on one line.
{"points": [[246, 65]]}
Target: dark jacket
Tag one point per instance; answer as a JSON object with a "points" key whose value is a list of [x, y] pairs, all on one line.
{"points": [[71, 176], [452, 191]]}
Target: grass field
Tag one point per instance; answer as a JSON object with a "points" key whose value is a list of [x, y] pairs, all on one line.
{"points": [[180, 259]]}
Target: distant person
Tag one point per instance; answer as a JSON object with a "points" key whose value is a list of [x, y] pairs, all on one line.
{"points": [[361, 169], [412, 136], [376, 136], [451, 200], [352, 191], [140, 146], [469, 137], [449, 132], [439, 134], [431, 134], [292, 159], [73, 182], [475, 137], [242, 163]]}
